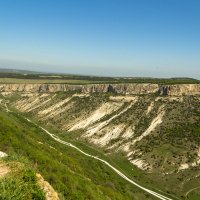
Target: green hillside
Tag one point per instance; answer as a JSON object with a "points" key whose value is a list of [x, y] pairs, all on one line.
{"points": [[71, 174]]}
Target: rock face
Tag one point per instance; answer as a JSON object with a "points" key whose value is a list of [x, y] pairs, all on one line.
{"points": [[2, 154], [182, 89], [90, 88], [131, 88], [50, 193]]}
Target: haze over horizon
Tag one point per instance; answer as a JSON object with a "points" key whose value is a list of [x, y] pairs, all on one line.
{"points": [[104, 38]]}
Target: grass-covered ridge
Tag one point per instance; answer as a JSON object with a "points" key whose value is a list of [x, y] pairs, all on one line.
{"points": [[20, 182]]}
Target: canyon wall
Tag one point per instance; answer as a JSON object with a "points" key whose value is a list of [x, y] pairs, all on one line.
{"points": [[129, 88]]}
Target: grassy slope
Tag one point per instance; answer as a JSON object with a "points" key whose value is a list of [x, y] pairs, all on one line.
{"points": [[21, 181], [70, 173], [170, 141]]}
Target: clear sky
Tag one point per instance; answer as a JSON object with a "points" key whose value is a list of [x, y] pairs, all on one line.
{"points": [[159, 38]]}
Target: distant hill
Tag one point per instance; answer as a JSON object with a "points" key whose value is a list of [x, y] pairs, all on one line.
{"points": [[85, 79], [17, 71]]}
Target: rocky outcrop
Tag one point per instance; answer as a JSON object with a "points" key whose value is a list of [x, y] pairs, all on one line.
{"points": [[2, 154], [4, 169], [50, 193], [179, 90], [129, 88], [90, 88]]}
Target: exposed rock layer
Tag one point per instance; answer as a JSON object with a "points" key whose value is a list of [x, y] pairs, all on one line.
{"points": [[132, 88], [47, 188]]}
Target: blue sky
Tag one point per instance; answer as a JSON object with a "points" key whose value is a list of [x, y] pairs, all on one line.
{"points": [[159, 38]]}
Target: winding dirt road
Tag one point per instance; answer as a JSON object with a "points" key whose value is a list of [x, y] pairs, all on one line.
{"points": [[56, 138]]}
